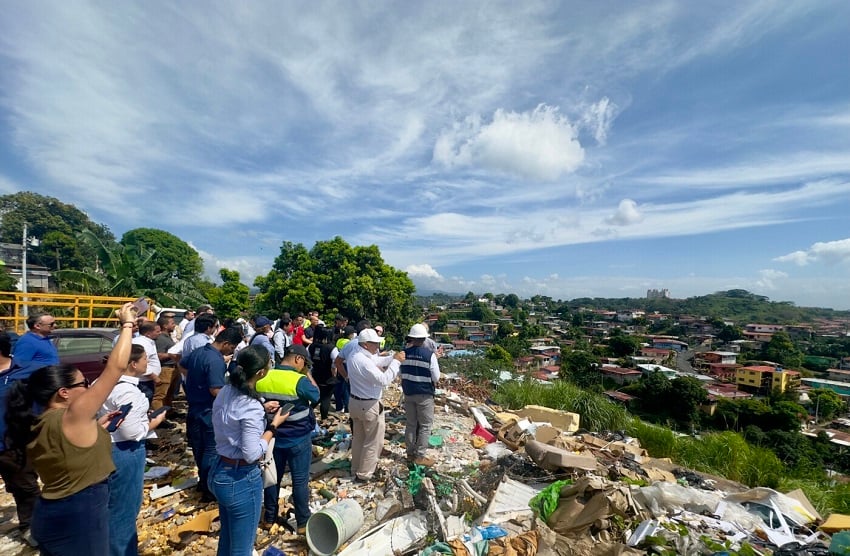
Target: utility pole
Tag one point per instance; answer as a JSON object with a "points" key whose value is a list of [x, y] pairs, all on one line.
{"points": [[24, 242]]}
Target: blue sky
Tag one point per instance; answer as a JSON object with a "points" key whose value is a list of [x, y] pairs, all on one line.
{"points": [[568, 149]]}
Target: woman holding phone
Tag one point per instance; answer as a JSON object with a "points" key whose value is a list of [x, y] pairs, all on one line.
{"points": [[241, 438], [69, 448], [127, 483]]}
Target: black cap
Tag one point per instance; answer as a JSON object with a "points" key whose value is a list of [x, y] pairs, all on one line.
{"points": [[298, 349]]}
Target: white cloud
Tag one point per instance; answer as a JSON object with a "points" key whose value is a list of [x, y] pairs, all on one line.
{"points": [[598, 119], [768, 277], [627, 214], [829, 252], [423, 271], [540, 144]]}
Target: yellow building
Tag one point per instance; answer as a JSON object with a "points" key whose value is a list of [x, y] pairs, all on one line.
{"points": [[764, 379]]}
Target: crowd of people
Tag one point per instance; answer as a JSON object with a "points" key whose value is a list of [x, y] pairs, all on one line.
{"points": [[248, 384]]}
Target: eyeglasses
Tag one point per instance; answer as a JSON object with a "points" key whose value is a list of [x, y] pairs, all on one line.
{"points": [[49, 324], [85, 383]]}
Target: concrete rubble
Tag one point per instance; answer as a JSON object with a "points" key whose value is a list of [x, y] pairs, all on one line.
{"points": [[521, 483]]}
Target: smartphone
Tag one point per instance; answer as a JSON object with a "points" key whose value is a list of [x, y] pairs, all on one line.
{"points": [[141, 305], [286, 408], [156, 412], [115, 421]]}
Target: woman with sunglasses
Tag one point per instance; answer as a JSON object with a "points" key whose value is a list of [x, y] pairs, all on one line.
{"points": [[69, 448]]}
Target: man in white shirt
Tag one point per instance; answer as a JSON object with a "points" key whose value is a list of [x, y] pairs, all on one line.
{"points": [[367, 382], [190, 326], [148, 331]]}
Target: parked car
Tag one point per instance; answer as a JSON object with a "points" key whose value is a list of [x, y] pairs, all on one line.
{"points": [[85, 348]]}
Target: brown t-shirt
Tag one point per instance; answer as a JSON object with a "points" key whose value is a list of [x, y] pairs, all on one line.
{"points": [[66, 469]]}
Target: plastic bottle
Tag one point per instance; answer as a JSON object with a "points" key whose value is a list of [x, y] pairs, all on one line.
{"points": [[273, 551]]}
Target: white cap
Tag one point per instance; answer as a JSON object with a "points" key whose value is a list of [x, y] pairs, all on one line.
{"points": [[368, 335], [418, 331]]}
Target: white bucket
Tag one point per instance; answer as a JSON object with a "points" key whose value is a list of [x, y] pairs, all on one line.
{"points": [[329, 528]]}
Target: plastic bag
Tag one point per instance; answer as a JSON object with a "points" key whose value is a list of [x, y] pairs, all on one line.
{"points": [[546, 501]]}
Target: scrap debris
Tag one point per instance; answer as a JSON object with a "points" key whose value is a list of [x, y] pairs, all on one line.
{"points": [[512, 483]]}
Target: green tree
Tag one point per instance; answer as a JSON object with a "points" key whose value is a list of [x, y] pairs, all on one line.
{"points": [[481, 312], [118, 270], [780, 349], [580, 367], [511, 300], [825, 404], [787, 416], [7, 281], [686, 395], [515, 345], [232, 297], [171, 255], [505, 329], [500, 355], [335, 277], [53, 222], [442, 321], [622, 344]]}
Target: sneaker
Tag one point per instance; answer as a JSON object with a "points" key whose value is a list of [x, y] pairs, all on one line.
{"points": [[27, 536], [266, 525], [301, 530], [424, 461]]}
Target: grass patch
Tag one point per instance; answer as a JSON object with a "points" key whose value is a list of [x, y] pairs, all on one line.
{"points": [[596, 411]]}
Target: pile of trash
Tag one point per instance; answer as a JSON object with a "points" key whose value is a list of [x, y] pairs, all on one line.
{"points": [[513, 483]]}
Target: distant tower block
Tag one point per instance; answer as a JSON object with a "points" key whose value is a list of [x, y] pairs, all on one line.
{"points": [[658, 294]]}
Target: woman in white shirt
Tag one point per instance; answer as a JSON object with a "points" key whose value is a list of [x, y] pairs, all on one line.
{"points": [[126, 483]]}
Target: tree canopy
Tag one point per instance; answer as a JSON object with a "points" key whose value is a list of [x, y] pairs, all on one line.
{"points": [[334, 277], [55, 224], [170, 253], [231, 298]]}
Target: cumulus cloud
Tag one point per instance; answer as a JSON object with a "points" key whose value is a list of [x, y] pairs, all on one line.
{"points": [[540, 144], [829, 252], [423, 271], [768, 277], [626, 215]]}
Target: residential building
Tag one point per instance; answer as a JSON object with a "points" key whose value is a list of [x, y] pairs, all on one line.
{"points": [[620, 375], [838, 375], [764, 379]]}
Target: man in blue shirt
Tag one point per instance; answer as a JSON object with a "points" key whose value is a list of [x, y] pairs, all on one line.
{"points": [[205, 370], [293, 446], [262, 325], [35, 349]]}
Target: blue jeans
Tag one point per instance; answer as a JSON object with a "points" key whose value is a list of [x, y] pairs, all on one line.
{"points": [[342, 392], [74, 525], [201, 438], [239, 491], [126, 485], [298, 457]]}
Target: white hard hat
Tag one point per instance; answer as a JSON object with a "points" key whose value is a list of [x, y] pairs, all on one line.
{"points": [[418, 331], [368, 335]]}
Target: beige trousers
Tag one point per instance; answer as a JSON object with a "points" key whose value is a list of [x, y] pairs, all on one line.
{"points": [[367, 436]]}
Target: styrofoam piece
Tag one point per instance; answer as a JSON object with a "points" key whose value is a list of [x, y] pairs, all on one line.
{"points": [[510, 501], [168, 490], [397, 534]]}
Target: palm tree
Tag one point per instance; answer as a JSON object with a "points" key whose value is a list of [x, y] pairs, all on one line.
{"points": [[122, 271]]}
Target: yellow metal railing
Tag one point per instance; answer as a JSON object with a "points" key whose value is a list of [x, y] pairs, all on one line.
{"points": [[70, 310]]}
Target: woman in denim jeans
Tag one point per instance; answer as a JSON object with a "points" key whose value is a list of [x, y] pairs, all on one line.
{"points": [[241, 439]]}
